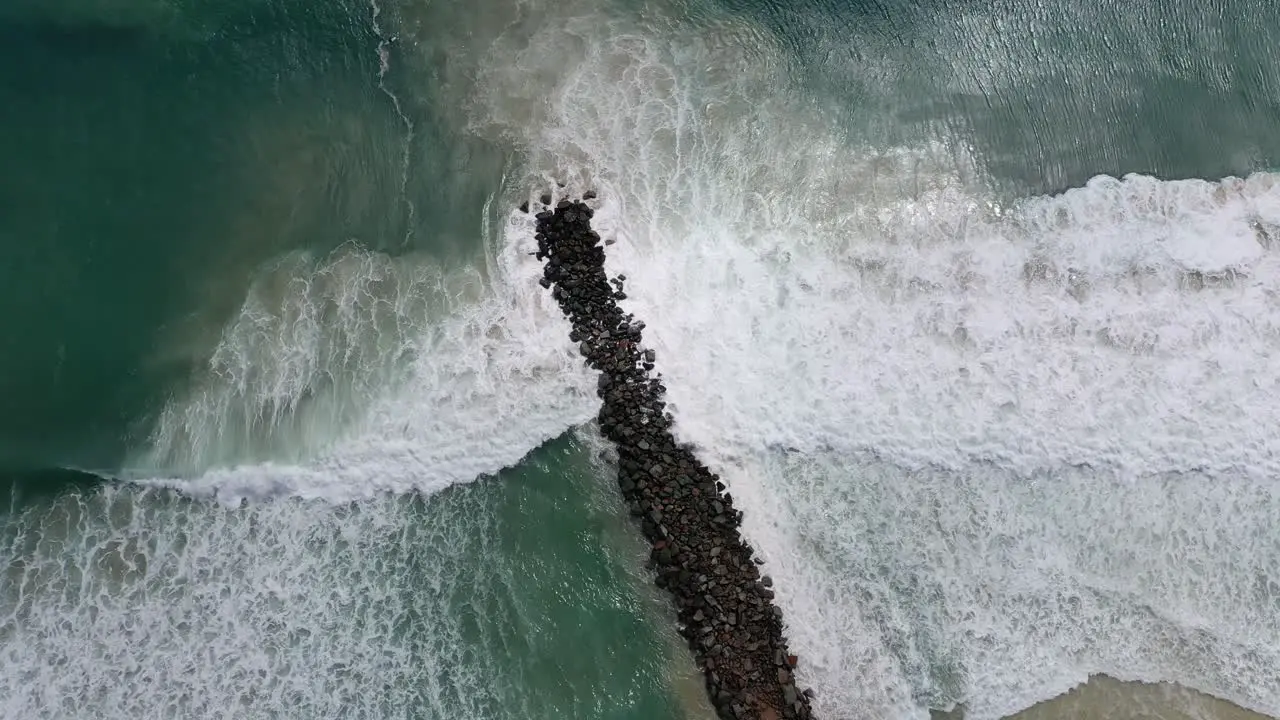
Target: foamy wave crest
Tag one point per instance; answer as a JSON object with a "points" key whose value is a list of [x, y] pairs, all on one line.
{"points": [[275, 381], [367, 374]]}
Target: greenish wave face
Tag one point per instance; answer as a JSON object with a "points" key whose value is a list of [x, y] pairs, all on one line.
{"points": [[971, 303]]}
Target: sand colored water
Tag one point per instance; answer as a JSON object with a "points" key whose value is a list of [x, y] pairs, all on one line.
{"points": [[1105, 698]]}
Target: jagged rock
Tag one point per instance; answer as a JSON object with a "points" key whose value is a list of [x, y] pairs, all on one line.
{"points": [[697, 555]]}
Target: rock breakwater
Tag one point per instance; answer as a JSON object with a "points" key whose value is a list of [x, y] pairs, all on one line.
{"points": [[724, 605]]}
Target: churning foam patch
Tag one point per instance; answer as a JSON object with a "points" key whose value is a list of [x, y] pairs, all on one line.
{"points": [[1088, 329], [988, 448], [138, 603], [908, 588], [128, 602]]}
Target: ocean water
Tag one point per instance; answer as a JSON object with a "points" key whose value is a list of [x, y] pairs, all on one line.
{"points": [[973, 305]]}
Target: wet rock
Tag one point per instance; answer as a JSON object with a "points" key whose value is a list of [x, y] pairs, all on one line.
{"points": [[697, 553]]}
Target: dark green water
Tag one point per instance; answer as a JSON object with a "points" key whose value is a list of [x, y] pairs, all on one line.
{"points": [[135, 136]]}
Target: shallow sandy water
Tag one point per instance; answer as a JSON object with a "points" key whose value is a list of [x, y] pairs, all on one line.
{"points": [[1105, 698]]}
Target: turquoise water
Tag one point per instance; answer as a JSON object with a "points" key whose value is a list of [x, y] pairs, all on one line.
{"points": [[971, 304]]}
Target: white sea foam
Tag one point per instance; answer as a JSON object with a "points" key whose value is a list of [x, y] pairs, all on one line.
{"points": [[362, 374], [131, 604]]}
